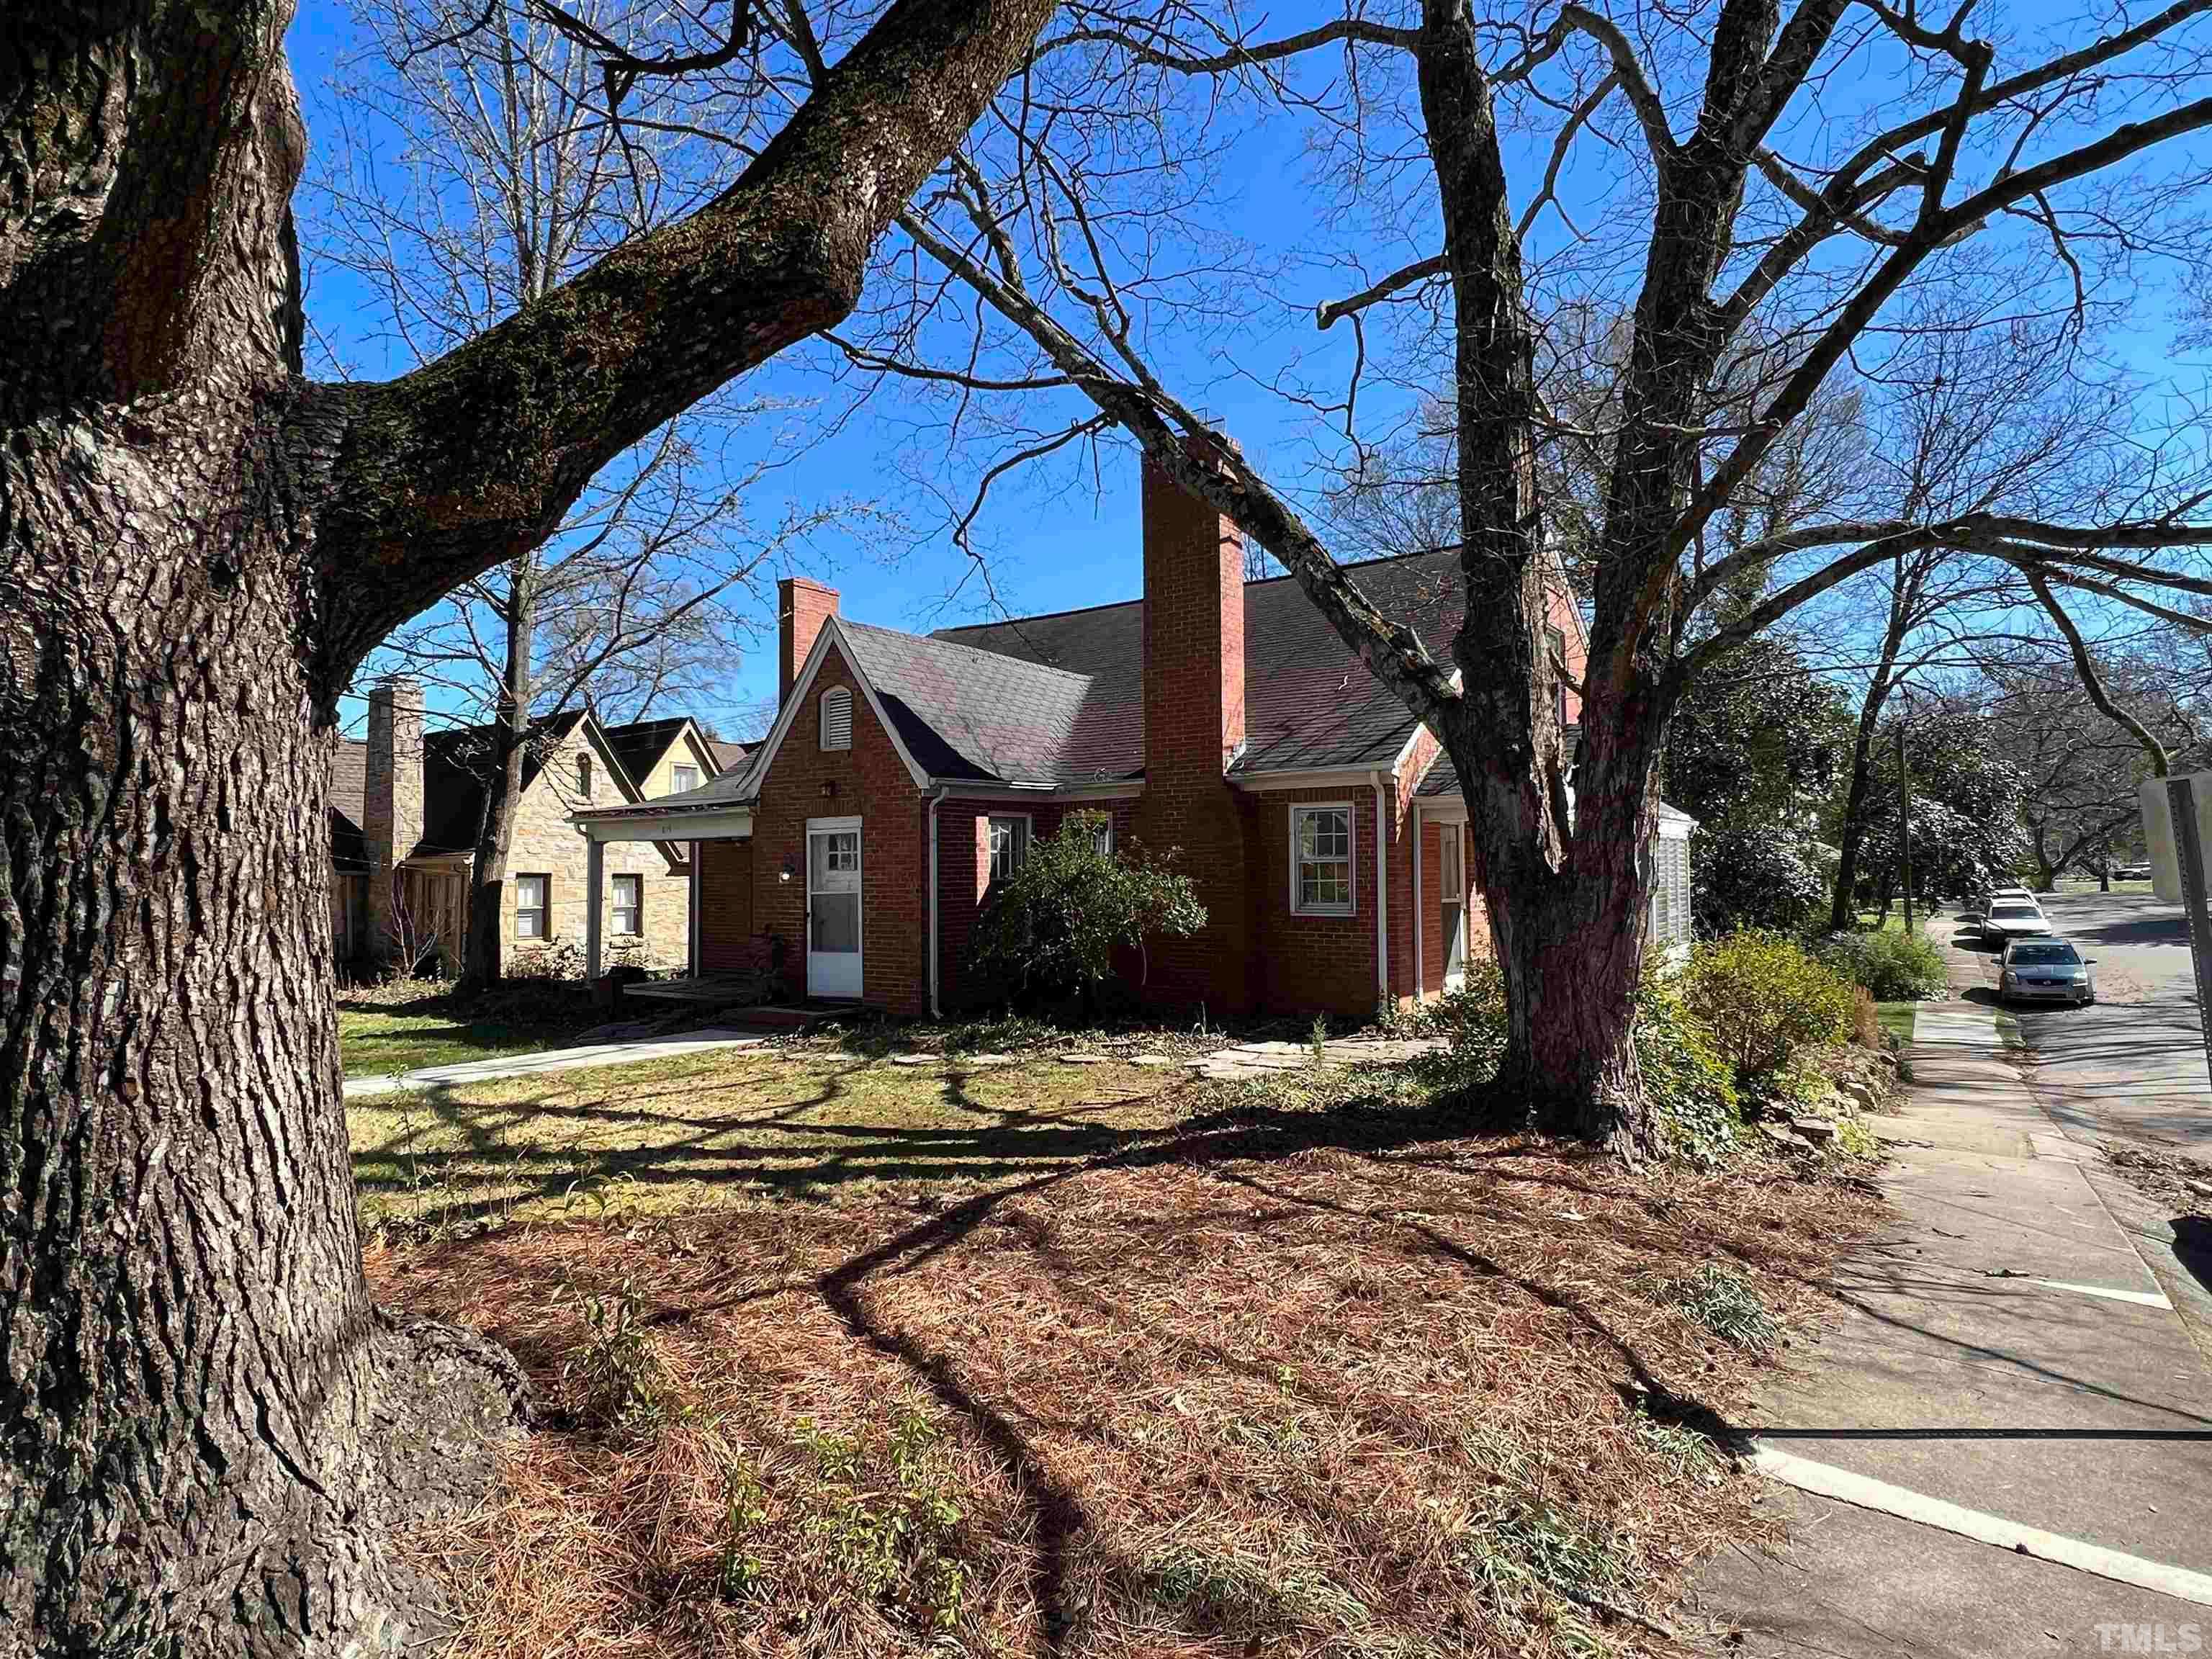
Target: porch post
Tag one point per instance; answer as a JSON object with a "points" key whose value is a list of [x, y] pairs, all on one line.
{"points": [[595, 865], [1420, 961]]}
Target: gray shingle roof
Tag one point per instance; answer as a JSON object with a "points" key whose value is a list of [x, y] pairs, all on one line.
{"points": [[1309, 701], [967, 713]]}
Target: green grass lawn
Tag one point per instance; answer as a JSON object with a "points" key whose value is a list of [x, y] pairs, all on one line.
{"points": [[400, 1028], [691, 1133], [1896, 1019]]}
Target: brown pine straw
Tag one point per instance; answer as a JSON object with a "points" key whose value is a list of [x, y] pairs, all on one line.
{"points": [[1288, 1385]]}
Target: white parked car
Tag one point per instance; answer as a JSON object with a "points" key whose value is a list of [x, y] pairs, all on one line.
{"points": [[2013, 918], [2045, 971]]}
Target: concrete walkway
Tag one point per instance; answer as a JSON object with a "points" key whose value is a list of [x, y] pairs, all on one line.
{"points": [[584, 1058], [2005, 1364]]}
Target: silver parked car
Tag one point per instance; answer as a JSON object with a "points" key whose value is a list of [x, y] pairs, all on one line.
{"points": [[2013, 918], [2045, 971]]}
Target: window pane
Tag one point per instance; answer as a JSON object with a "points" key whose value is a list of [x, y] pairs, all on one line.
{"points": [[630, 902], [835, 923], [684, 777], [1010, 840]]}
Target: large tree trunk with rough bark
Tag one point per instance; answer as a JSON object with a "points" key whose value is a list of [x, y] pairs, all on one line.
{"points": [[208, 1435], [1843, 902], [209, 1431]]}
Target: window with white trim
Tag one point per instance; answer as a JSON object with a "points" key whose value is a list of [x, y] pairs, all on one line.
{"points": [[837, 718], [529, 905], [681, 778], [630, 905], [1101, 826], [1010, 845], [1320, 860]]}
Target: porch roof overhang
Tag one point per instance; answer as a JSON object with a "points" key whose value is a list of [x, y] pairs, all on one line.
{"points": [[657, 820]]}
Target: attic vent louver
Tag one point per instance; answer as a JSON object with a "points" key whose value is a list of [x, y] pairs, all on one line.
{"points": [[837, 718]]}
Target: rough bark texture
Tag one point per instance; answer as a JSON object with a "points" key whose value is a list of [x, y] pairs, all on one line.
{"points": [[207, 1434]]}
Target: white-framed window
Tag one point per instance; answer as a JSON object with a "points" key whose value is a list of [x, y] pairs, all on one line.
{"points": [[629, 905], [837, 718], [681, 778], [1010, 845], [1101, 826], [531, 893], [584, 776], [1320, 859]]}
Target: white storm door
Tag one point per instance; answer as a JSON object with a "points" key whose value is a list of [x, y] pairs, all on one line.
{"points": [[832, 907]]}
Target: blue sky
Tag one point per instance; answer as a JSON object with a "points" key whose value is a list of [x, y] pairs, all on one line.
{"points": [[1062, 537]]}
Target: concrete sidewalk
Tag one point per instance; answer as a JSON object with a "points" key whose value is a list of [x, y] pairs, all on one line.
{"points": [[585, 1057], [2006, 1318]]}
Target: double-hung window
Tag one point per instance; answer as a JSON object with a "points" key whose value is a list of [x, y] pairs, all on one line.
{"points": [[1101, 827], [1010, 845], [681, 778], [530, 894], [1320, 860], [629, 905]]}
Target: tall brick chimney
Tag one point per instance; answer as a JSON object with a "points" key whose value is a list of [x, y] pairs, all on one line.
{"points": [[801, 608], [1194, 674], [391, 803]]}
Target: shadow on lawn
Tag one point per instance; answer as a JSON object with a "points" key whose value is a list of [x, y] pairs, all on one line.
{"points": [[483, 1173]]}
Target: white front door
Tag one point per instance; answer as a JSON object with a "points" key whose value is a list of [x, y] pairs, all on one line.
{"points": [[832, 907], [1454, 883]]}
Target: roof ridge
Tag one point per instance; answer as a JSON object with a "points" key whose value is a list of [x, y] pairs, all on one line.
{"points": [[975, 650]]}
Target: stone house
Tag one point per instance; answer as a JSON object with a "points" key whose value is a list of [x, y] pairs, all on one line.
{"points": [[406, 803], [1323, 830]]}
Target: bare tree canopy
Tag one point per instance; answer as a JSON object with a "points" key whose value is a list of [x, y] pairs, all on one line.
{"points": [[1633, 250], [211, 1433]]}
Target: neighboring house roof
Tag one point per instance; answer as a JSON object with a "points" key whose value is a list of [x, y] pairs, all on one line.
{"points": [[349, 798], [640, 744], [727, 755], [453, 785]]}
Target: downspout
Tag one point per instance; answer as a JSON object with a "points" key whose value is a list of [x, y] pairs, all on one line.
{"points": [[1381, 899], [936, 798], [1420, 961]]}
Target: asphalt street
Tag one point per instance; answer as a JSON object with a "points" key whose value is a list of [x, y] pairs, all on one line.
{"points": [[2132, 1066]]}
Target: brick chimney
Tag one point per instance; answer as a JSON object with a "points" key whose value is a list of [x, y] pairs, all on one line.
{"points": [[801, 608], [1193, 627], [391, 803], [1194, 678]]}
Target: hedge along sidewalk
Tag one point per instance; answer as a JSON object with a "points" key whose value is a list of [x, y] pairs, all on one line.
{"points": [[2006, 1352], [429, 1078]]}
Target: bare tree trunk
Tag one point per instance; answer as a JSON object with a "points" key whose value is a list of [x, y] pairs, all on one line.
{"points": [[481, 965]]}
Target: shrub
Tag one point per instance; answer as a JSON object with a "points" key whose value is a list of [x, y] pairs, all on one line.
{"points": [[1866, 1020], [1760, 998], [1052, 927], [1762, 874], [1692, 1096], [1892, 967]]}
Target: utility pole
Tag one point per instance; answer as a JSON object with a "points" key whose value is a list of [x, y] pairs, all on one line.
{"points": [[1905, 817]]}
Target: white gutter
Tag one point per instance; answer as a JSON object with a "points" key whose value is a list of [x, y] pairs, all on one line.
{"points": [[1382, 896], [936, 799]]}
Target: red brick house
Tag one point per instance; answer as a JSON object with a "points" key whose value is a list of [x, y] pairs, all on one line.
{"points": [[1324, 833]]}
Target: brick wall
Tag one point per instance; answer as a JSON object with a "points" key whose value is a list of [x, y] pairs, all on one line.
{"points": [[871, 782], [1308, 963], [725, 905], [964, 862], [1193, 683], [546, 843]]}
